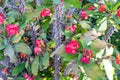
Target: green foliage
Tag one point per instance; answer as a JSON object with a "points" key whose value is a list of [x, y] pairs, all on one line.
{"points": [[46, 60], [94, 68], [35, 66], [22, 47], [74, 3], [18, 69], [9, 51], [89, 33]]}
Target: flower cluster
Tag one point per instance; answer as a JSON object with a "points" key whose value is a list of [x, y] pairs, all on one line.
{"points": [[86, 56], [83, 14], [117, 59], [45, 12], [28, 77], [71, 28], [118, 13], [71, 47], [91, 8], [1, 19], [12, 29], [38, 45], [102, 8], [5, 70]]}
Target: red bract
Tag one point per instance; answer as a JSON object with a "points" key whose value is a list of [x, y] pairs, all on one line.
{"points": [[71, 47], [74, 43], [26, 75], [30, 78], [85, 60], [72, 28], [118, 13], [91, 8], [45, 12], [1, 19], [117, 59], [102, 8], [83, 14], [86, 56], [39, 43], [37, 50], [5, 70], [12, 29]]}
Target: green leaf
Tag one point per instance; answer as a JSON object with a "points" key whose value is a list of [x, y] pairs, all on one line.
{"points": [[103, 24], [9, 51], [22, 47], [13, 14], [74, 3], [20, 78], [85, 24], [34, 14], [92, 68], [16, 38], [2, 57], [10, 19], [98, 44], [38, 78], [46, 60], [56, 1], [41, 63], [18, 69], [69, 57], [2, 46], [43, 35], [115, 7], [117, 20], [45, 24], [60, 50], [109, 69], [35, 66]]}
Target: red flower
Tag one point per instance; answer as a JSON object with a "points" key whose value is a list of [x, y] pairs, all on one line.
{"points": [[37, 50], [5, 70], [1, 19], [117, 59], [45, 12], [71, 47], [83, 14], [39, 43], [86, 56], [26, 75], [85, 60], [12, 29], [29, 78], [74, 43], [102, 8], [118, 13], [72, 28], [91, 7]]}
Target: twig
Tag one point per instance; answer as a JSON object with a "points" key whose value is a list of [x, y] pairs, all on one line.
{"points": [[57, 35]]}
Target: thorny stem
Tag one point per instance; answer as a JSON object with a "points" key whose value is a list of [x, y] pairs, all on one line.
{"points": [[33, 34], [57, 35], [70, 65], [109, 33]]}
